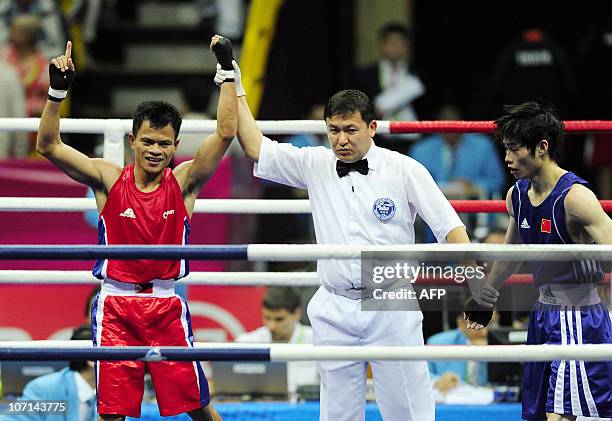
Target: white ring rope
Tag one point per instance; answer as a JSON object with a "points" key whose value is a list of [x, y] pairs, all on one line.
{"points": [[292, 352], [98, 126], [241, 206], [58, 277]]}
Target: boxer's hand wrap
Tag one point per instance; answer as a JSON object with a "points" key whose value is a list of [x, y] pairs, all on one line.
{"points": [[60, 82], [223, 52], [474, 312]]}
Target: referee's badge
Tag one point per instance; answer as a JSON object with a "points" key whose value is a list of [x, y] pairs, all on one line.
{"points": [[384, 209]]}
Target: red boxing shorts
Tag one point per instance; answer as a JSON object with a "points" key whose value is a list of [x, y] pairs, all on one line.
{"points": [[150, 314]]}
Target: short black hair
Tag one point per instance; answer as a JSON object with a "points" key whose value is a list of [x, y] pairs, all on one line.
{"points": [[159, 114], [81, 333], [394, 28], [529, 123], [278, 298], [350, 101]]}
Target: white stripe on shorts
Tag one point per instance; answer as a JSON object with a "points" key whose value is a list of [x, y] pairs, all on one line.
{"points": [[586, 389], [575, 397], [560, 382], [185, 325]]}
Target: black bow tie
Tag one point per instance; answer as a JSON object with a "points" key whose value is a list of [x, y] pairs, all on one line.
{"points": [[343, 168]]}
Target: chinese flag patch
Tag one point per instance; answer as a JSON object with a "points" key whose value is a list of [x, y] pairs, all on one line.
{"points": [[545, 226]]}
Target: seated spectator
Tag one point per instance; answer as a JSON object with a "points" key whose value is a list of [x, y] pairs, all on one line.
{"points": [[446, 375], [281, 312], [51, 40], [464, 165], [32, 67], [12, 104], [74, 384]]}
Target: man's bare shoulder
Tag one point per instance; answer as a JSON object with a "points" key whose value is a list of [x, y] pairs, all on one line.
{"points": [[109, 171], [580, 201]]}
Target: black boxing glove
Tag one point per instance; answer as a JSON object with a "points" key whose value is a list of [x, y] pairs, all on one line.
{"points": [[59, 82], [474, 312], [223, 52]]}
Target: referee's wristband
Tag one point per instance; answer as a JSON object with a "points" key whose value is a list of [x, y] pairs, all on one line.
{"points": [[57, 95]]}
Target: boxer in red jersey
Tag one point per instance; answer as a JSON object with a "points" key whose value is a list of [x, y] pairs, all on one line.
{"points": [[143, 203]]}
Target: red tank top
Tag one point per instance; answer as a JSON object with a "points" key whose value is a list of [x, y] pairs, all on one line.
{"points": [[131, 216]]}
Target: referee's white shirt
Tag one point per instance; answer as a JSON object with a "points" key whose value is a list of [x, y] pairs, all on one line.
{"points": [[343, 209]]}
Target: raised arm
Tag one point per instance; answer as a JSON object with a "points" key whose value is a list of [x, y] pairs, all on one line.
{"points": [[249, 135], [192, 174], [582, 207], [48, 142]]}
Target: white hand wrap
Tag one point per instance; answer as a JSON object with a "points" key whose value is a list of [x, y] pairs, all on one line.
{"points": [[58, 94], [222, 75], [238, 79]]}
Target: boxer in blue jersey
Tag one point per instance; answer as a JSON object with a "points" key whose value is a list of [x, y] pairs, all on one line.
{"points": [[550, 205]]}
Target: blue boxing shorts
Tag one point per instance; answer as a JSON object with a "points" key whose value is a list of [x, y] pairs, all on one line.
{"points": [[568, 387]]}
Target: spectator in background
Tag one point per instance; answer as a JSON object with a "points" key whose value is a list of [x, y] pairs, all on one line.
{"points": [[74, 384], [446, 375], [223, 16], [534, 67], [12, 104], [464, 165], [31, 65], [596, 57], [51, 38], [82, 26], [196, 98], [390, 82], [281, 312]]}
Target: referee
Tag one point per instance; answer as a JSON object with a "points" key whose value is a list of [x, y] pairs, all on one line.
{"points": [[360, 194]]}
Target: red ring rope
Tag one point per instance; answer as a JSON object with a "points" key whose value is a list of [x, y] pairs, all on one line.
{"points": [[574, 126], [499, 206], [516, 279]]}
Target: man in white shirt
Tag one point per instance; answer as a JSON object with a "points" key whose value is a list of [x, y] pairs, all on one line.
{"points": [[281, 314], [359, 194]]}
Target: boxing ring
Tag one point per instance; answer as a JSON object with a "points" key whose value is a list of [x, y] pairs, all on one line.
{"points": [[114, 132]]}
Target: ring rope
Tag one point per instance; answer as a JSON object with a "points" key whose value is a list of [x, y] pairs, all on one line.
{"points": [[311, 252], [292, 352], [301, 279], [98, 126], [229, 206], [571, 126]]}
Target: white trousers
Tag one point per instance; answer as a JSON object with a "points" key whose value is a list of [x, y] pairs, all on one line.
{"points": [[403, 388]]}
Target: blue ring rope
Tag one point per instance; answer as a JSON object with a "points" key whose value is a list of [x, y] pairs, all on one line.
{"points": [[93, 252], [109, 353]]}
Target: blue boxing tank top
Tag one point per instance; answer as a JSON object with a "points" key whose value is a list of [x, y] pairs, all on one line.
{"points": [[545, 224]]}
